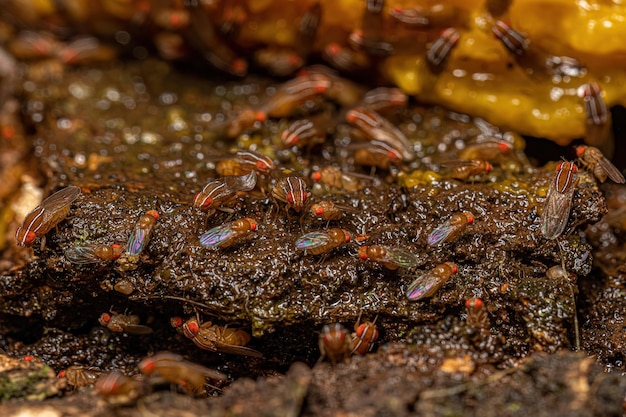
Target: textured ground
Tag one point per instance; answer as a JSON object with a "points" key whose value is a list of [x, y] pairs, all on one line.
{"points": [[141, 136]]}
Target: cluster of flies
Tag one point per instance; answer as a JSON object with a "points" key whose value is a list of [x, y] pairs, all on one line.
{"points": [[335, 344], [378, 144], [162, 367]]}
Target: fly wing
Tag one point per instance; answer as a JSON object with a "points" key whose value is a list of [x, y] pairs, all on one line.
{"points": [[612, 172], [218, 236], [61, 198], [57, 202], [312, 240], [243, 183], [137, 329], [440, 234], [424, 286], [136, 241], [556, 212], [82, 255], [401, 257], [237, 350]]}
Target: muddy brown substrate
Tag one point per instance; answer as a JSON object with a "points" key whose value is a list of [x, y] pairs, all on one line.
{"points": [[118, 135]]}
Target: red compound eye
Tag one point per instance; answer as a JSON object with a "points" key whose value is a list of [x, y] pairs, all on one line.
{"points": [[193, 327], [474, 302], [105, 318]]}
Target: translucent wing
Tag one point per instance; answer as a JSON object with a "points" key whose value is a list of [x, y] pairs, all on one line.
{"points": [[556, 212], [218, 236], [58, 201], [137, 329], [243, 183], [424, 286], [312, 240], [441, 233], [401, 257], [237, 350], [61, 198], [82, 254], [136, 241], [611, 171]]}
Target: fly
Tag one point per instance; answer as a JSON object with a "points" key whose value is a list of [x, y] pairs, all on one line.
{"points": [[427, 284], [559, 200]]}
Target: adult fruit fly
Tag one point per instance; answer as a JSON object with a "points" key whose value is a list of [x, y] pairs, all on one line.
{"points": [[477, 317], [226, 234], [117, 388], [559, 200], [323, 241], [215, 338], [123, 323], [327, 210], [335, 177], [291, 95], [593, 159], [243, 162], [334, 343], [441, 48], [173, 368], [223, 191], [291, 190], [389, 257], [377, 128], [45, 216], [513, 40], [427, 284], [596, 114], [140, 236], [363, 338], [80, 376], [462, 170], [451, 228], [92, 254]]}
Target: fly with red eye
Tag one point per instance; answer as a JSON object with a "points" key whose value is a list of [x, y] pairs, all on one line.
{"points": [[513, 40], [227, 234], [364, 336], [292, 95], [441, 48], [451, 228], [375, 127], [215, 338], [390, 257], [96, 253], [427, 284], [140, 236], [477, 317], [334, 343], [323, 241], [291, 190], [592, 159], [243, 162], [173, 368], [47, 215], [558, 203], [223, 192]]}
